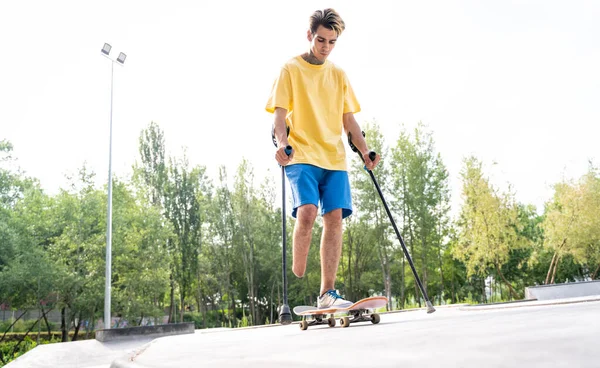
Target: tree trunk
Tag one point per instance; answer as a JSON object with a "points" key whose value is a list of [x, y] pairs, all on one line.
{"points": [[402, 286], [550, 268], [91, 325], [182, 306], [204, 312], [200, 302], [47, 324], [596, 272], [484, 296], [453, 287], [77, 327], [414, 255], [308, 296], [383, 261], [63, 325], [387, 270], [424, 280], [417, 294], [441, 278], [555, 268], [510, 288], [172, 298], [272, 289], [233, 314]]}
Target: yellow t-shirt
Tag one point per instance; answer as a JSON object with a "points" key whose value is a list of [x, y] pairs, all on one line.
{"points": [[316, 97]]}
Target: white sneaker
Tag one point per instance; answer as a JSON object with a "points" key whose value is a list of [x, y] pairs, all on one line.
{"points": [[331, 299]]}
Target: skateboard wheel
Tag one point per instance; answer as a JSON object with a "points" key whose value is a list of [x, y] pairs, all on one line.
{"points": [[345, 321], [375, 318], [303, 325], [331, 321]]}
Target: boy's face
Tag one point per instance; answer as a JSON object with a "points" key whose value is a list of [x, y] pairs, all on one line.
{"points": [[322, 42]]}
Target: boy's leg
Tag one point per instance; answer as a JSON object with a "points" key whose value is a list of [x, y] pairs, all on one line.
{"points": [[336, 204], [331, 249], [305, 197], [306, 216]]}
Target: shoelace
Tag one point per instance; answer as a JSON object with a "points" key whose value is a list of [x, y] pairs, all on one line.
{"points": [[333, 294]]}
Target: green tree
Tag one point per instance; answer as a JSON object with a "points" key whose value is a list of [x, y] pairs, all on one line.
{"points": [[150, 176], [186, 190], [152, 171], [141, 262], [488, 225], [78, 249], [571, 225], [246, 240], [219, 248], [420, 180]]}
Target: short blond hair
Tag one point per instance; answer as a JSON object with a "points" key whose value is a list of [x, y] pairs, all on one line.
{"points": [[327, 18]]}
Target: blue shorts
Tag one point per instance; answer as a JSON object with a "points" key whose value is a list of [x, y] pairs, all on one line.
{"points": [[313, 185]]}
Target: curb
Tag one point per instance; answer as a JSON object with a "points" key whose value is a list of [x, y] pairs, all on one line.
{"points": [[120, 334], [529, 303]]}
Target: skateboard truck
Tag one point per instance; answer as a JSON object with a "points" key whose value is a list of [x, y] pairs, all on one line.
{"points": [[319, 319], [361, 315]]}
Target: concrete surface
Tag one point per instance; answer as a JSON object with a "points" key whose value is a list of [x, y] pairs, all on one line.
{"points": [[129, 333], [77, 354], [561, 291], [561, 334]]}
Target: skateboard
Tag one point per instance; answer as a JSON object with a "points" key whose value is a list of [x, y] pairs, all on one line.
{"points": [[358, 312]]}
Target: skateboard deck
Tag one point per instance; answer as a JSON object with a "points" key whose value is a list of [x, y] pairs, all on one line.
{"points": [[359, 312]]}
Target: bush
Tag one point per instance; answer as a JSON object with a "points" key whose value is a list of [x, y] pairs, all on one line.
{"points": [[24, 326], [6, 349], [215, 318], [4, 325]]}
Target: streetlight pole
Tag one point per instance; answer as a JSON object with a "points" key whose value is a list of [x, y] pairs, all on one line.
{"points": [[108, 275]]}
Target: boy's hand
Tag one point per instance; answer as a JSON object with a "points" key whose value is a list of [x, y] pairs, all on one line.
{"points": [[282, 157], [370, 164]]}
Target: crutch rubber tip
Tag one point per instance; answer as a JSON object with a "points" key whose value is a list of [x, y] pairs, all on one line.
{"points": [[285, 316], [430, 308]]}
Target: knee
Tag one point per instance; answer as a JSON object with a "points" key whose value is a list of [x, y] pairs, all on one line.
{"points": [[306, 215], [333, 219]]}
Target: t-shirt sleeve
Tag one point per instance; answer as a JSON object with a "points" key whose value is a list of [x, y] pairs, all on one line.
{"points": [[350, 101], [281, 93]]}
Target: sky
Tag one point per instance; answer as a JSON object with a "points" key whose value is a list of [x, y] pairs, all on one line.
{"points": [[515, 83]]}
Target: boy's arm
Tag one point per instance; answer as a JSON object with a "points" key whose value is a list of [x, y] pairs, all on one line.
{"points": [[280, 131], [351, 127]]}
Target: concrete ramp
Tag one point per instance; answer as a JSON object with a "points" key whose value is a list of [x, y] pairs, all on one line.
{"points": [[80, 354], [561, 291], [562, 333]]}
